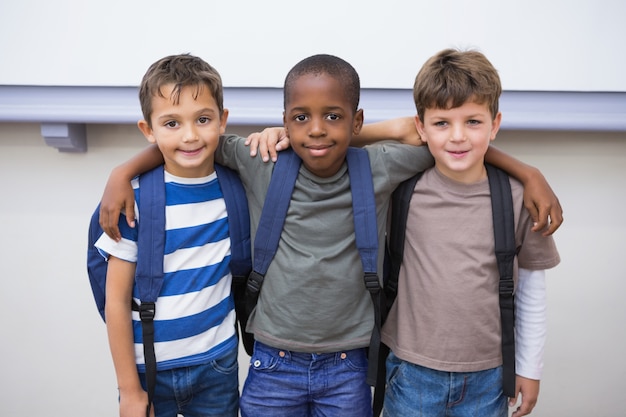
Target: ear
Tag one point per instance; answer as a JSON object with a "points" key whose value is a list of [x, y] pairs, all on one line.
{"points": [[145, 128], [495, 127], [285, 124], [357, 122], [223, 121], [419, 125]]}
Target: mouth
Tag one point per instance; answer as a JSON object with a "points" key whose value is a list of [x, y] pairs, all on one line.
{"points": [[190, 152], [318, 149], [458, 154]]}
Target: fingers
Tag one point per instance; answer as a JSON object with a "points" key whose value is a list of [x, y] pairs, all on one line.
{"points": [[539, 221], [556, 219], [524, 409], [129, 211], [103, 219], [547, 218], [263, 143]]}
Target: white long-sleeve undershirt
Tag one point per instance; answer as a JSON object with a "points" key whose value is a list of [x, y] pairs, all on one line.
{"points": [[530, 323]]}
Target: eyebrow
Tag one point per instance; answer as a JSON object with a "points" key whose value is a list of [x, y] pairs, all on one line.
{"points": [[206, 110], [326, 109]]}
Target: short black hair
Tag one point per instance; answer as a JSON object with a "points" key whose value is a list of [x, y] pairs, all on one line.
{"points": [[334, 66]]}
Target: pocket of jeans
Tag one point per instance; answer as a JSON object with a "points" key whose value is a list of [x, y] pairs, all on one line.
{"points": [[227, 364], [356, 360], [263, 362]]}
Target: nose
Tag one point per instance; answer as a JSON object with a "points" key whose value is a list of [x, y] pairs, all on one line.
{"points": [[457, 133], [190, 134], [317, 128]]}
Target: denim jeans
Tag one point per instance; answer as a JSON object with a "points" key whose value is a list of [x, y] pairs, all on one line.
{"points": [[282, 383], [210, 389], [413, 390]]}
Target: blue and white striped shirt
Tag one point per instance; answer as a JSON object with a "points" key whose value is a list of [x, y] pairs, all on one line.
{"points": [[195, 316]]}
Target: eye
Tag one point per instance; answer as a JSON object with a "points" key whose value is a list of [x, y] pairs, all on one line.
{"points": [[300, 118], [441, 123], [333, 116], [473, 122], [171, 123], [203, 120]]}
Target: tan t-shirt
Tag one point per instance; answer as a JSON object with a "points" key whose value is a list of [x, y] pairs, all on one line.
{"points": [[446, 315]]}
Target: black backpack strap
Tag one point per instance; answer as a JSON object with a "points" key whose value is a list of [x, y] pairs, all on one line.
{"points": [[366, 236], [504, 233], [400, 201], [271, 222], [149, 273], [394, 251]]}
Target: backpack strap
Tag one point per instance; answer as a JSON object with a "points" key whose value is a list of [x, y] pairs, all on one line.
{"points": [[149, 274], [240, 252], [271, 222], [366, 236], [504, 234], [400, 201], [394, 251]]}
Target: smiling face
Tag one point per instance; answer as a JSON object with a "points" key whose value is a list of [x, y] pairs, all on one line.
{"points": [[458, 139], [320, 121], [186, 130]]}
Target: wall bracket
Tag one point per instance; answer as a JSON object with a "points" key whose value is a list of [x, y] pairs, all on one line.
{"points": [[66, 137]]}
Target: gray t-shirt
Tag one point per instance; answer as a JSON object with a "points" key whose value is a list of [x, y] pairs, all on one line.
{"points": [[313, 297]]}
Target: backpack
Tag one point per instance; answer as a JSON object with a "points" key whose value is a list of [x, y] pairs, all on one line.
{"points": [[151, 243], [365, 226], [505, 251]]}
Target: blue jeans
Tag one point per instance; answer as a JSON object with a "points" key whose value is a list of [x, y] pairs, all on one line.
{"points": [[282, 383], [413, 390], [210, 389]]}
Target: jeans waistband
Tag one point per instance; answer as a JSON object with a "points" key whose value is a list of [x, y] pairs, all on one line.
{"points": [[308, 357]]}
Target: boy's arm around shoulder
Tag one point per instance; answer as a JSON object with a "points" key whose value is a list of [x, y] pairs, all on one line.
{"points": [[402, 130], [539, 199], [118, 194]]}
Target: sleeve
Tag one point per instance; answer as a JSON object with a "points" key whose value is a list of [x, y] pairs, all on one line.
{"points": [[126, 248], [530, 323], [398, 162]]}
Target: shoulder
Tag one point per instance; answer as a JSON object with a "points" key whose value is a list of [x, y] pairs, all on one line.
{"points": [[397, 160]]}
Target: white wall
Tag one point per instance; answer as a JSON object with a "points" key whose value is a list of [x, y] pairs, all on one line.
{"points": [[556, 45], [54, 356]]}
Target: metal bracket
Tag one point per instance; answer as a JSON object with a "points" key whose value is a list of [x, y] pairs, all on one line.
{"points": [[66, 137]]}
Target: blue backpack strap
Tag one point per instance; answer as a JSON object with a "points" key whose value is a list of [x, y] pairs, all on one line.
{"points": [[240, 251], [149, 274], [366, 235], [272, 220], [504, 234], [238, 220]]}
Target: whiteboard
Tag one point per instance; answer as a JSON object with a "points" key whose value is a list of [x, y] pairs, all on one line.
{"points": [[536, 45]]}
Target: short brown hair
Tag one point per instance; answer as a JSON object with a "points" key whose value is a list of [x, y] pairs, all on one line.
{"points": [[182, 70], [452, 77]]}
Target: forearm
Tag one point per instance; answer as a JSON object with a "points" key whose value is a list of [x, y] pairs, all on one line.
{"points": [[402, 130], [144, 161], [119, 287], [120, 334], [512, 166]]}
